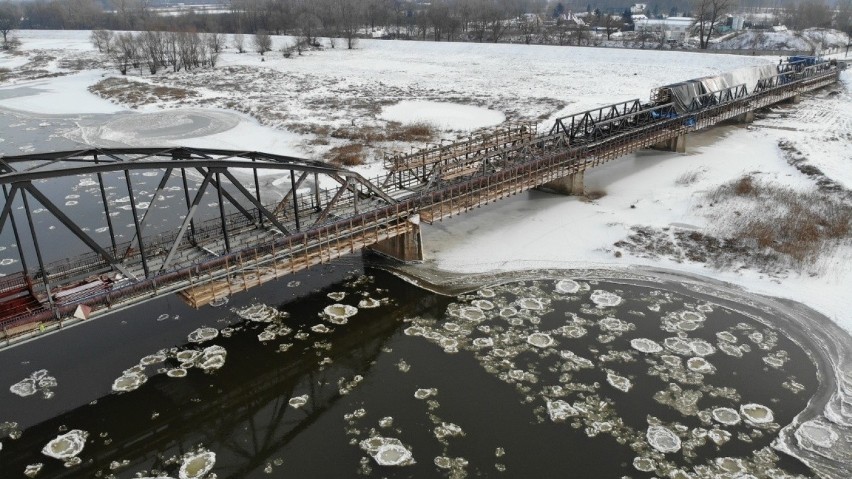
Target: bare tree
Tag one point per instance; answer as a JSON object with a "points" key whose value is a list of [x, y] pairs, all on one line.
{"points": [[9, 18], [708, 13], [350, 14], [240, 42], [216, 42], [101, 39], [151, 48], [124, 52], [262, 42]]}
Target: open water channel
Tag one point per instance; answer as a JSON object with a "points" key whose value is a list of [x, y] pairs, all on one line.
{"points": [[348, 370]]}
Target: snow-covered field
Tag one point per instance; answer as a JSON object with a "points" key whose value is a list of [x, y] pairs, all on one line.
{"points": [[293, 105]]}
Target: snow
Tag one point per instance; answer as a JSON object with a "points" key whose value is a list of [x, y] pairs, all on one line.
{"points": [[448, 116], [12, 61], [63, 95]]}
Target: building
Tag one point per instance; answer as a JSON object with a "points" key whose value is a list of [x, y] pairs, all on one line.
{"points": [[639, 8], [673, 29]]}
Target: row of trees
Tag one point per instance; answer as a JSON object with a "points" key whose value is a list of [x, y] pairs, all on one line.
{"points": [[155, 50], [472, 20]]}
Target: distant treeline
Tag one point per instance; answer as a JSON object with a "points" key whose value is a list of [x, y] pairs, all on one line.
{"points": [[470, 20]]}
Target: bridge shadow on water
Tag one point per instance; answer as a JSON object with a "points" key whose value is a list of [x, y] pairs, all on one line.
{"points": [[240, 411]]}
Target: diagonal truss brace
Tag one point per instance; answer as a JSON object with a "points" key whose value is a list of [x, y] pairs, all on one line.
{"points": [[79, 233]]}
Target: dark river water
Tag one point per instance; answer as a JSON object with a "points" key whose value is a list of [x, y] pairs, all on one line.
{"points": [[347, 370]]}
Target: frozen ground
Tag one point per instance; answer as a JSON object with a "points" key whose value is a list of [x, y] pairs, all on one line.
{"points": [[296, 105]]}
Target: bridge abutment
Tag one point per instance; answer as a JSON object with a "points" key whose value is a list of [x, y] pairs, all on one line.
{"points": [[573, 185], [794, 99], [407, 247]]}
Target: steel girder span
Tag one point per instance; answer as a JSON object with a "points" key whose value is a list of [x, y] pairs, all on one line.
{"points": [[90, 221]]}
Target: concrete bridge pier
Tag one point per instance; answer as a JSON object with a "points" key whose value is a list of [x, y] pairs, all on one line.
{"points": [[747, 117], [406, 248], [676, 144], [572, 185]]}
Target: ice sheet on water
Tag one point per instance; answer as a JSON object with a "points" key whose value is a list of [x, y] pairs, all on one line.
{"points": [[756, 413], [66, 446], [605, 299], [567, 286], [369, 303], [201, 335], [339, 313], [387, 451], [645, 345], [260, 313], [425, 393], [815, 434], [560, 410], [39, 380], [700, 365], [129, 381], [32, 470], [298, 401], [540, 340], [196, 465], [337, 295], [726, 416], [618, 382], [482, 304], [663, 439]]}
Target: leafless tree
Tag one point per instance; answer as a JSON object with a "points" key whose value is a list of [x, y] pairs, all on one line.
{"points": [[9, 18], [240, 42], [151, 48], [262, 42], [350, 14], [101, 39], [216, 42], [124, 52], [707, 14]]}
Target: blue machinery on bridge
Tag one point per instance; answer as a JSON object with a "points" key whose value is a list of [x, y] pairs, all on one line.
{"points": [[222, 230]]}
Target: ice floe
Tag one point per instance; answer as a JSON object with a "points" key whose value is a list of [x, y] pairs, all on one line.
{"points": [[756, 413], [726, 416], [540, 340], [201, 335], [39, 381], [619, 382], [65, 446], [129, 381], [339, 313], [196, 465], [298, 401], [663, 439], [567, 286], [560, 410], [387, 451], [645, 345], [605, 299]]}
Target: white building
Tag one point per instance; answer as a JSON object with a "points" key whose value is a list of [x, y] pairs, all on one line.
{"points": [[675, 29], [638, 8]]}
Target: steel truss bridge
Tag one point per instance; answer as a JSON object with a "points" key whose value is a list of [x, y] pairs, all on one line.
{"points": [[226, 232]]}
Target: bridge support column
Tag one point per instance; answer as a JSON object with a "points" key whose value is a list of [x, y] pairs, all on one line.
{"points": [[573, 185], [794, 99], [407, 248], [676, 144], [746, 117]]}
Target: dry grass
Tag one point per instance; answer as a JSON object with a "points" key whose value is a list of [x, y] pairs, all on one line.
{"points": [[136, 94], [348, 155], [688, 178], [795, 224], [368, 135]]}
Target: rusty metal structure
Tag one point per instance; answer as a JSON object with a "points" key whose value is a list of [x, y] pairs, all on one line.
{"points": [[249, 237]]}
